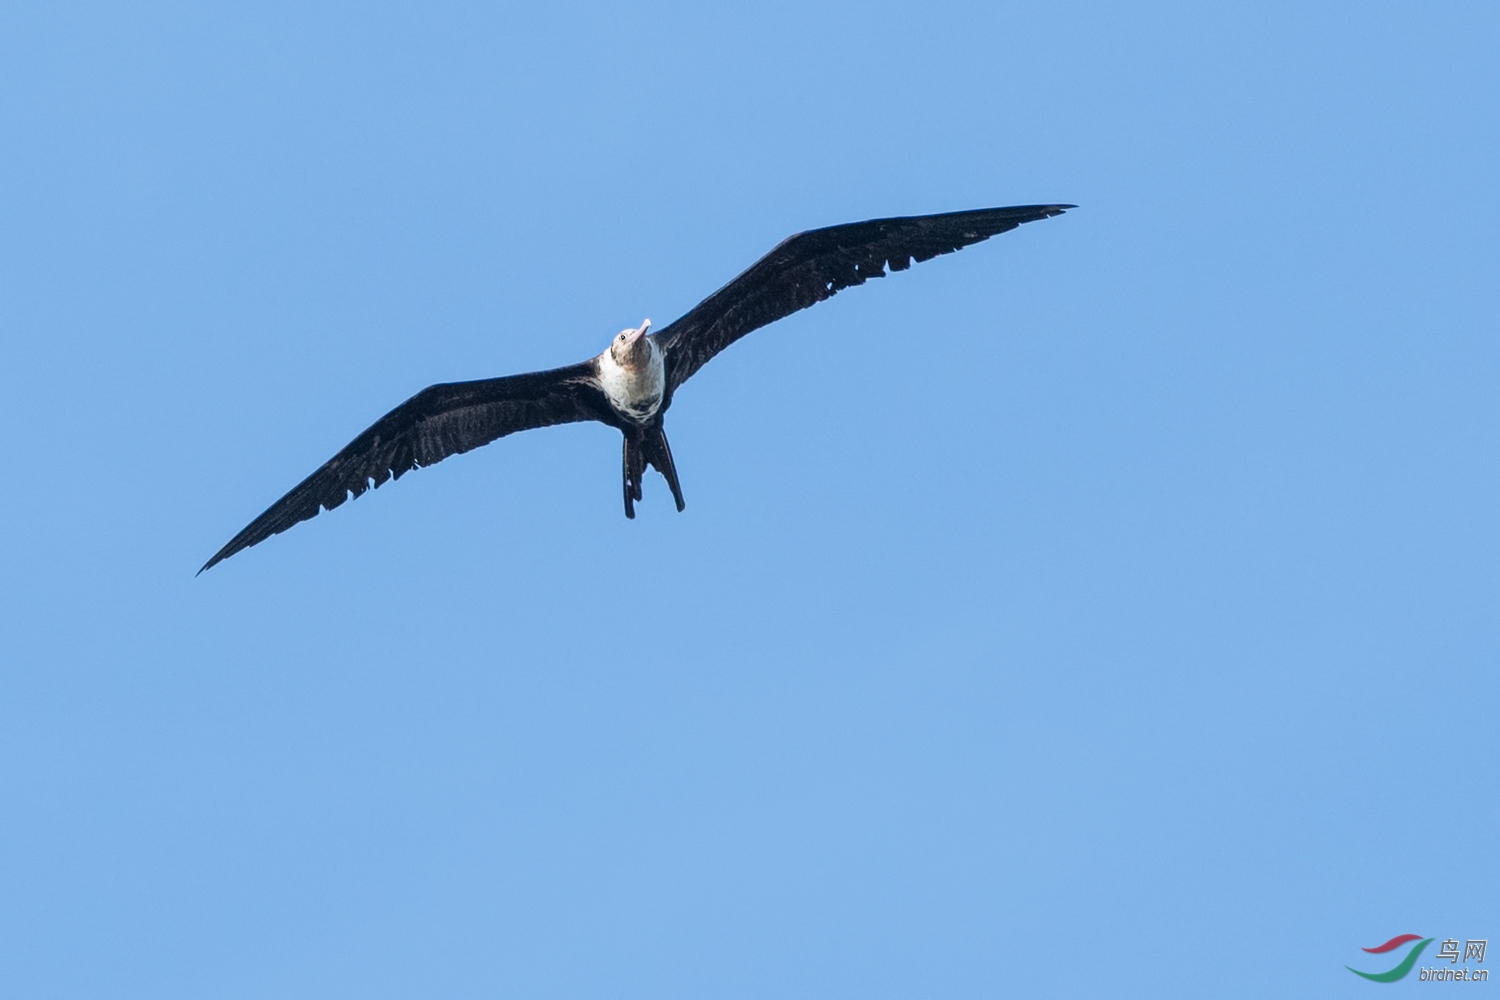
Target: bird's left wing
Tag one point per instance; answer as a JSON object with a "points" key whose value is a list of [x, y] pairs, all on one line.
{"points": [[441, 420], [809, 267]]}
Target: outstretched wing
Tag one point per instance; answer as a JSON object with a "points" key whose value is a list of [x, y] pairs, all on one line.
{"points": [[812, 266], [439, 421]]}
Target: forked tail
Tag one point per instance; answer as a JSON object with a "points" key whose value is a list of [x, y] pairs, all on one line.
{"points": [[649, 447]]}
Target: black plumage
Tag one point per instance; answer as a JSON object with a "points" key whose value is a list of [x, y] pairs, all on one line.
{"points": [[805, 269], [455, 417]]}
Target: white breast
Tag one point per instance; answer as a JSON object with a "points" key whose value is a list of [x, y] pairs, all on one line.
{"points": [[634, 392]]}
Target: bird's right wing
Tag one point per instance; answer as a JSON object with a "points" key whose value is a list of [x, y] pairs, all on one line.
{"points": [[439, 421], [809, 267]]}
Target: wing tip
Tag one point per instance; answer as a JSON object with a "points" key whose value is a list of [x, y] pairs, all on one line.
{"points": [[219, 557], [1007, 217], [1034, 213]]}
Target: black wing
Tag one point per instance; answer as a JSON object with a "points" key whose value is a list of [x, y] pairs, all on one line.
{"points": [[812, 266], [439, 421]]}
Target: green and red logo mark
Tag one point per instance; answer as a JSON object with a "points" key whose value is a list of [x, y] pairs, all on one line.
{"points": [[1405, 964]]}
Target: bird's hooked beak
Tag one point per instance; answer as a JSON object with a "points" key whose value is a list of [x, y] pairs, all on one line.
{"points": [[636, 335]]}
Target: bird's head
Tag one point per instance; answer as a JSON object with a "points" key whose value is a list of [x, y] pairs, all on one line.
{"points": [[629, 348]]}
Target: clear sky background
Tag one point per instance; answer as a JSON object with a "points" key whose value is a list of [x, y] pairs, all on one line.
{"points": [[1109, 609]]}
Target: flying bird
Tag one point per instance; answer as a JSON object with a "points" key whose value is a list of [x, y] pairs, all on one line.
{"points": [[630, 385]]}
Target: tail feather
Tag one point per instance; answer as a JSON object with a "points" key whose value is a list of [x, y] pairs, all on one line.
{"points": [[650, 448], [634, 462], [659, 453]]}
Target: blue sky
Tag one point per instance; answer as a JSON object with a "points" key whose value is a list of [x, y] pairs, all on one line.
{"points": [[1108, 609]]}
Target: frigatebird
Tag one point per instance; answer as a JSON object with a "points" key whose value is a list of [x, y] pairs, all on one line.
{"points": [[630, 385]]}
